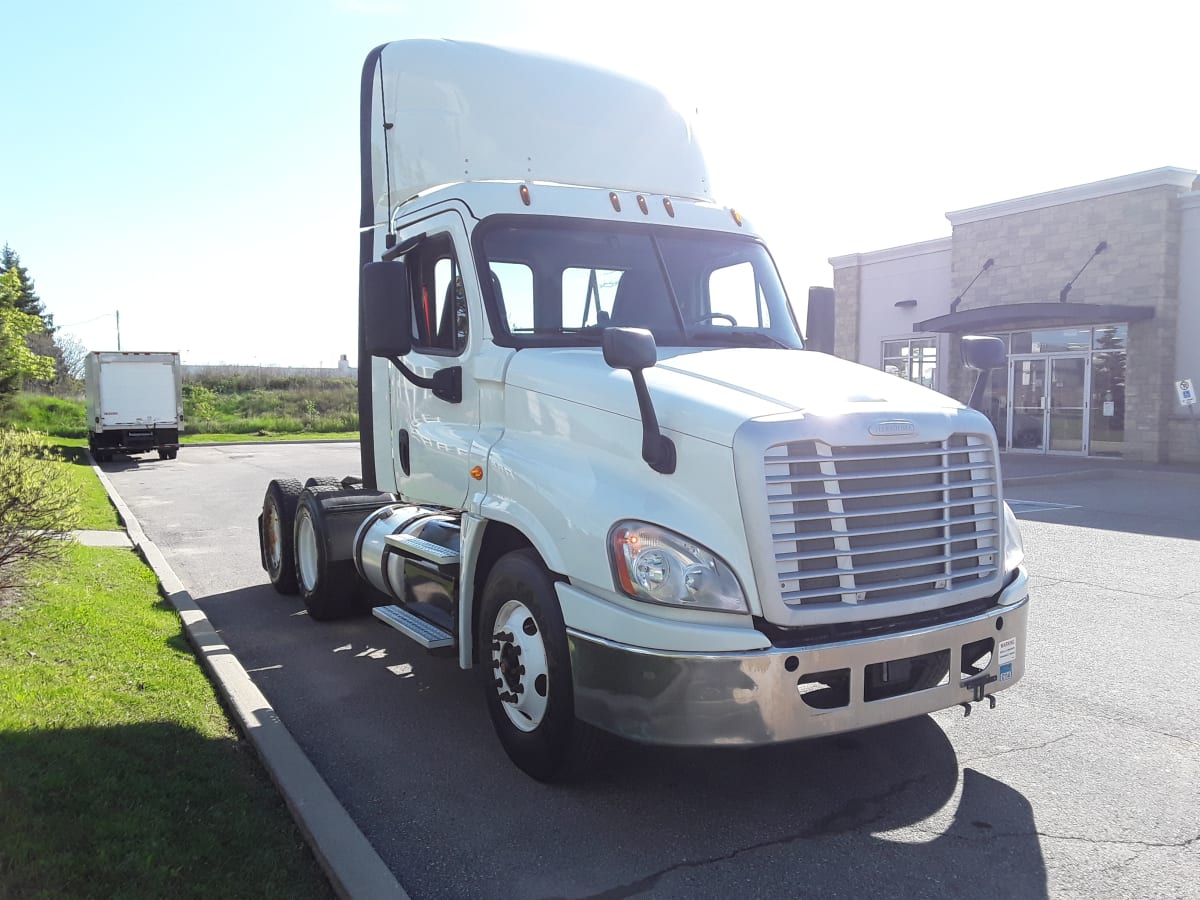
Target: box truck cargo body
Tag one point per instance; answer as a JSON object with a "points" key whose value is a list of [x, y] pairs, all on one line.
{"points": [[134, 403]]}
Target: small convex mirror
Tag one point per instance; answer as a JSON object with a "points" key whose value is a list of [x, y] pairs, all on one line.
{"points": [[629, 348], [983, 353]]}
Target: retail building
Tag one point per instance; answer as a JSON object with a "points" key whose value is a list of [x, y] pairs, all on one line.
{"points": [[1096, 291]]}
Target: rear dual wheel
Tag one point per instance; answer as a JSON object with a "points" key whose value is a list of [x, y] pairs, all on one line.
{"points": [[328, 587], [277, 526]]}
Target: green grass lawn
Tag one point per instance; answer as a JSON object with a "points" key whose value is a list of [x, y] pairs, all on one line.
{"points": [[120, 775], [96, 510]]}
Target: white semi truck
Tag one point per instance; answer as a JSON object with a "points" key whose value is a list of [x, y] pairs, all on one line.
{"points": [[598, 464], [134, 403]]}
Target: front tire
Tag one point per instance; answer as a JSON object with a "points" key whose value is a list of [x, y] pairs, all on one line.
{"points": [[328, 588], [526, 671]]}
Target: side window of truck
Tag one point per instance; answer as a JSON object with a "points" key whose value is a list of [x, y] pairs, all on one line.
{"points": [[735, 291], [440, 317]]}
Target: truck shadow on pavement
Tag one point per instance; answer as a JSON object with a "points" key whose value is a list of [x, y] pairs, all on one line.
{"points": [[882, 812]]}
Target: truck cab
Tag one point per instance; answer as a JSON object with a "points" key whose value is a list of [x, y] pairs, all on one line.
{"points": [[599, 465]]}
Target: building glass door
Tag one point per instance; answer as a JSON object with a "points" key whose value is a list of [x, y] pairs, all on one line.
{"points": [[1066, 408], [1027, 408], [1049, 408]]}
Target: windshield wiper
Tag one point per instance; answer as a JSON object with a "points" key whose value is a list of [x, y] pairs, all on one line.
{"points": [[747, 338]]}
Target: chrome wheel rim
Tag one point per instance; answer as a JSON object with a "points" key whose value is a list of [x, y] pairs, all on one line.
{"points": [[273, 537], [306, 551], [519, 666]]}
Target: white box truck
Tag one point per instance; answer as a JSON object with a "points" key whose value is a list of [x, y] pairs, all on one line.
{"points": [[598, 464], [134, 403]]}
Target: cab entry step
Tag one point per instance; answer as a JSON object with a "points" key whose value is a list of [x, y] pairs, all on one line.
{"points": [[421, 549], [428, 635]]}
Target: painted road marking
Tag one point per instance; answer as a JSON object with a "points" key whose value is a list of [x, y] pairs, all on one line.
{"points": [[1024, 507]]}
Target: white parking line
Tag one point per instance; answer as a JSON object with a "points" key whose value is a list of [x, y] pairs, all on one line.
{"points": [[1023, 507]]}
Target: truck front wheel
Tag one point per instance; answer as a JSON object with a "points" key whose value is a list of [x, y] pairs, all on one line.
{"points": [[526, 669], [275, 532]]}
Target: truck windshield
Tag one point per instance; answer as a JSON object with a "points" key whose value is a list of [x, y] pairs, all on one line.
{"points": [[562, 281]]}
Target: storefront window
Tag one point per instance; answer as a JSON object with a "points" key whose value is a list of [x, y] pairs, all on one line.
{"points": [[1061, 340], [1108, 402], [1111, 337], [1105, 379], [913, 359]]}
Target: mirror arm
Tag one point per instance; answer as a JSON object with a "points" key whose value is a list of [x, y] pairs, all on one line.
{"points": [[981, 381], [658, 450], [446, 384]]}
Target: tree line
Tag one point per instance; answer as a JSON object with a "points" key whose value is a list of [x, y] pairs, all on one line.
{"points": [[33, 354]]}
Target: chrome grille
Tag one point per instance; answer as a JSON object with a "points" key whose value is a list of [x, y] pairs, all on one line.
{"points": [[865, 524]]}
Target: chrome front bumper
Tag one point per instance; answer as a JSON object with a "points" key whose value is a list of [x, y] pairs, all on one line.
{"points": [[696, 699]]}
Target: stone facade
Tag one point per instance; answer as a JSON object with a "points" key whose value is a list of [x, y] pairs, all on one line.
{"points": [[847, 289]]}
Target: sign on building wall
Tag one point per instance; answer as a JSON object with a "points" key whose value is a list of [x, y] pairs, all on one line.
{"points": [[1187, 392]]}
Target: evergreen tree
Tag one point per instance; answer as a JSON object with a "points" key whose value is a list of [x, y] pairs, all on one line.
{"points": [[27, 300]]}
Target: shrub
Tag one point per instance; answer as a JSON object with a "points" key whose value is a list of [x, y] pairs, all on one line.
{"points": [[38, 503]]}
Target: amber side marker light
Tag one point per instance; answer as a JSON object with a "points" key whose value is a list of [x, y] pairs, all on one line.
{"points": [[525, 195], [621, 539], [477, 473], [614, 200], [737, 217], [669, 207], [643, 205]]}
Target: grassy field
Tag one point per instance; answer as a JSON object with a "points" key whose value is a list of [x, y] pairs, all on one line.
{"points": [[120, 775], [233, 406]]}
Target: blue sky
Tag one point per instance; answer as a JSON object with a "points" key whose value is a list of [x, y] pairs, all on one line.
{"points": [[194, 165]]}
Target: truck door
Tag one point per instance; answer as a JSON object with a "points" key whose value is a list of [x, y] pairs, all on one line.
{"points": [[433, 435]]}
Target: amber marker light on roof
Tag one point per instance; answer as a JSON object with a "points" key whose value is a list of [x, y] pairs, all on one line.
{"points": [[525, 194], [477, 473], [737, 217], [614, 200], [643, 205], [669, 207]]}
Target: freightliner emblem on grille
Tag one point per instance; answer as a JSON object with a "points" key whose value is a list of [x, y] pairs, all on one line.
{"points": [[892, 427]]}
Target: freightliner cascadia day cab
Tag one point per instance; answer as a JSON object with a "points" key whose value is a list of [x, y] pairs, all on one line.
{"points": [[134, 403], [598, 464]]}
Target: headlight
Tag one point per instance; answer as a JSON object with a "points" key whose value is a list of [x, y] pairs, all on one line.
{"points": [[1014, 547], [660, 566]]}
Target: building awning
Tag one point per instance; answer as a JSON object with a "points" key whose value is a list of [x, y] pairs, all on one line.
{"points": [[1017, 316]]}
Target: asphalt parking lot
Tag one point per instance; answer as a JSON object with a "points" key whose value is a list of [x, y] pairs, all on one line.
{"points": [[1083, 782]]}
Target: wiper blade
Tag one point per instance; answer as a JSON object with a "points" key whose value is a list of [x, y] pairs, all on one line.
{"points": [[751, 339]]}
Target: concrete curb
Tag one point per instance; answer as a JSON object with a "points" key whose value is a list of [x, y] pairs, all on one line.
{"points": [[354, 868]]}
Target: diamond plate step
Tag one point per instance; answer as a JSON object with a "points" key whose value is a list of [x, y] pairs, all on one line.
{"points": [[422, 549], [426, 634]]}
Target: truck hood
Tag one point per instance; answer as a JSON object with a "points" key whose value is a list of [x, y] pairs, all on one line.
{"points": [[709, 393]]}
